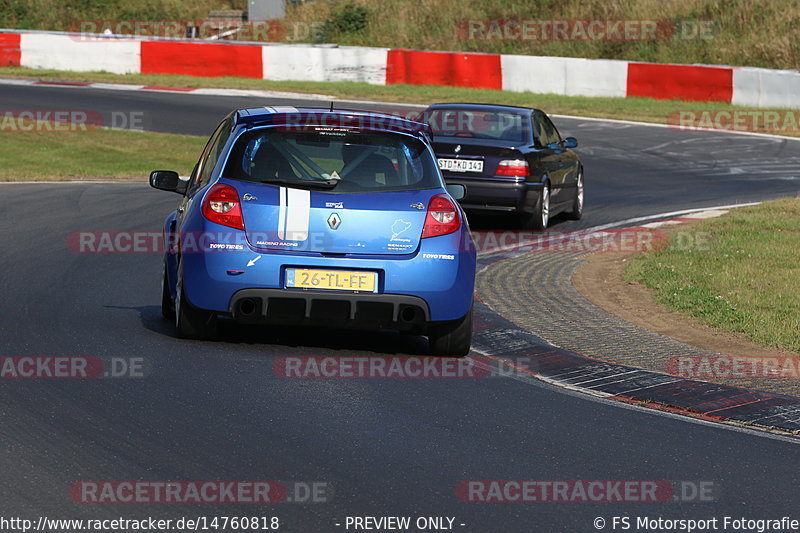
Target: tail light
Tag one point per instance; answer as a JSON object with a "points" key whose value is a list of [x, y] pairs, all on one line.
{"points": [[442, 217], [512, 167], [221, 205]]}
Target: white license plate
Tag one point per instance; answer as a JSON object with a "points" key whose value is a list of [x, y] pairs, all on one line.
{"points": [[461, 165], [334, 280]]}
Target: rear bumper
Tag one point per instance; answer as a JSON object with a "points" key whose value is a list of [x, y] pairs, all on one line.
{"points": [[315, 308], [438, 278], [494, 194]]}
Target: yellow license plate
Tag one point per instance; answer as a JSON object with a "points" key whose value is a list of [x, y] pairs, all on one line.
{"points": [[337, 280]]}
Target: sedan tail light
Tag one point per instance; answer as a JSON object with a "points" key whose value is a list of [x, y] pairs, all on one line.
{"points": [[512, 167], [221, 205], [442, 217]]}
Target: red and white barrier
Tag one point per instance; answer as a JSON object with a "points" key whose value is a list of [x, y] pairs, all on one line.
{"points": [[564, 75], [760, 87], [312, 63], [453, 69], [751, 87], [200, 59], [680, 82], [10, 50], [62, 52]]}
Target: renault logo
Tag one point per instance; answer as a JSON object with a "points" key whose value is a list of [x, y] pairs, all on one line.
{"points": [[458, 149], [334, 221]]}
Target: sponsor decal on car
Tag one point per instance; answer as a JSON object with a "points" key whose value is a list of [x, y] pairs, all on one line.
{"points": [[399, 227], [277, 243]]}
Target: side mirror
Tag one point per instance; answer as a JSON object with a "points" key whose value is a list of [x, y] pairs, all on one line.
{"points": [[167, 180], [456, 190], [570, 142]]}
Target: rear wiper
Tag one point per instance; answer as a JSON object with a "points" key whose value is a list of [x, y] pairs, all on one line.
{"points": [[297, 183]]}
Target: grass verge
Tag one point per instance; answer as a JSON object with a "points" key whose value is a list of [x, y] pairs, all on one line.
{"points": [[94, 154], [747, 279], [637, 109]]}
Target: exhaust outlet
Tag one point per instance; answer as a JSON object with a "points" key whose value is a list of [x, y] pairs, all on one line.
{"points": [[408, 314], [247, 307]]}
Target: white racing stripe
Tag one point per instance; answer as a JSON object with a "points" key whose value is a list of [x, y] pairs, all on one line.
{"points": [[293, 214]]}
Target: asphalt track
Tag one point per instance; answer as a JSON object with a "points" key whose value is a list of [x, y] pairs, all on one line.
{"points": [[216, 411]]}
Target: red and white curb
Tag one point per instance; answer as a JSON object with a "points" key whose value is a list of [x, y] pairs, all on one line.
{"points": [[702, 215], [662, 219]]}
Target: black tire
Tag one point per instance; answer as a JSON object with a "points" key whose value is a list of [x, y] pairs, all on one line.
{"points": [[577, 201], [167, 304], [452, 338], [190, 322], [540, 217]]}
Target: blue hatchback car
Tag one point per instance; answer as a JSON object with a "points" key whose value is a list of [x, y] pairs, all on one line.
{"points": [[319, 218]]}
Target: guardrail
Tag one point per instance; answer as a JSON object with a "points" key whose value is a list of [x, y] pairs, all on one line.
{"points": [[746, 86]]}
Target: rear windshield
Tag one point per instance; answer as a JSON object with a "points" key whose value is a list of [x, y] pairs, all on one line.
{"points": [[358, 161], [498, 125]]}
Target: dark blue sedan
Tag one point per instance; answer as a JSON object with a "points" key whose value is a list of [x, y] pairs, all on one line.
{"points": [[510, 159]]}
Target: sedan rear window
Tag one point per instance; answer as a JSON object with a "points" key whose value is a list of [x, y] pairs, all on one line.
{"points": [[337, 159], [498, 125]]}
